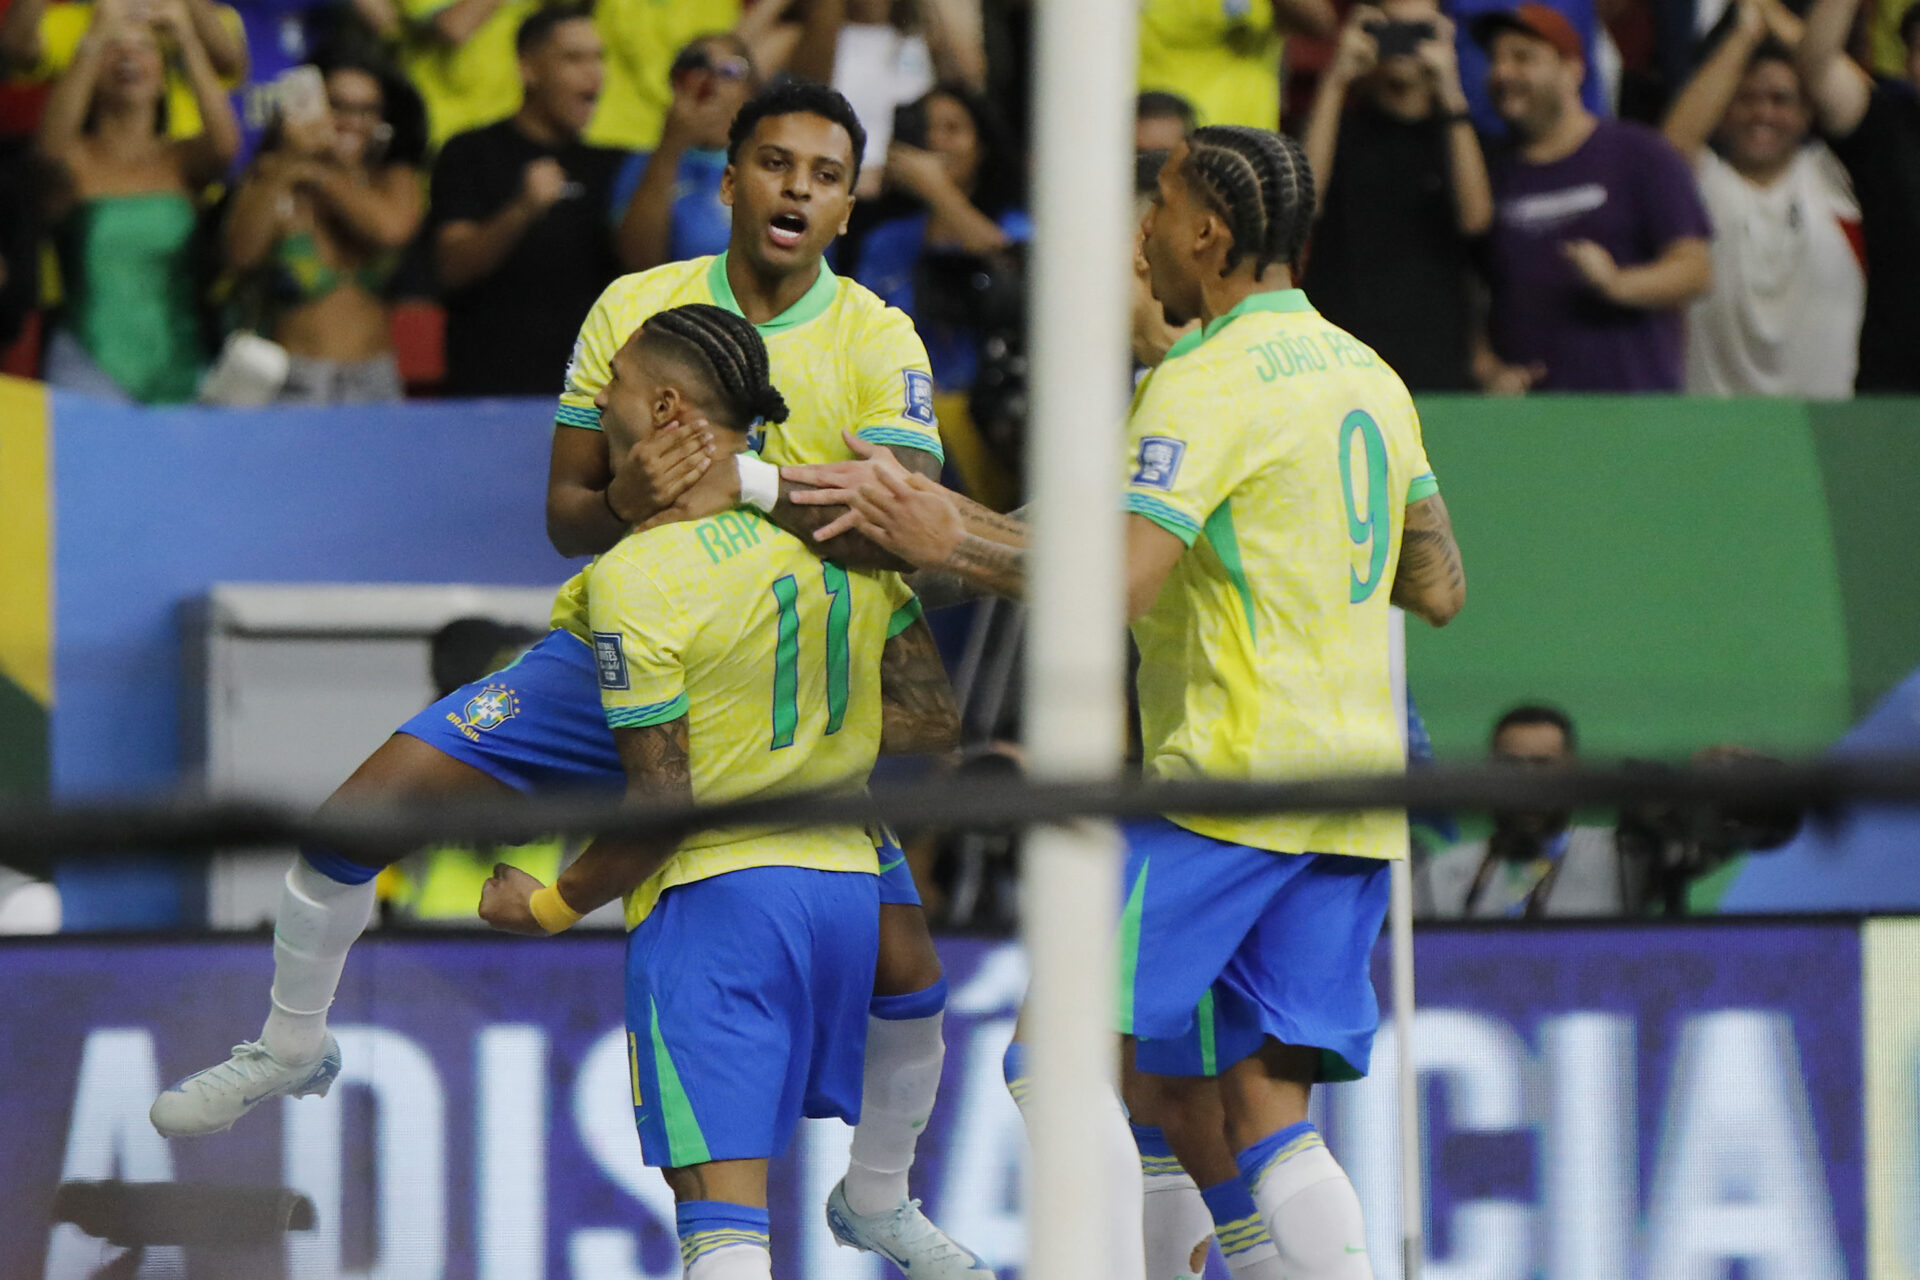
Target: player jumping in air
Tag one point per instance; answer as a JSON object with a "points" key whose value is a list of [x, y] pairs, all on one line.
{"points": [[1279, 498], [849, 365], [733, 663]]}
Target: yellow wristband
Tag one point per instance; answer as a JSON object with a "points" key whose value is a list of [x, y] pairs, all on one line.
{"points": [[552, 911]]}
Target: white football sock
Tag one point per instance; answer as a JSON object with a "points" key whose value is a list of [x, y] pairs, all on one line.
{"points": [[896, 1098], [1243, 1237], [1117, 1155], [1177, 1229], [722, 1241], [735, 1262], [318, 920], [1309, 1208], [1121, 1159]]}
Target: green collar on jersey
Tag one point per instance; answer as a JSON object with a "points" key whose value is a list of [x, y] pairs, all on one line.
{"points": [[1272, 300], [818, 297]]}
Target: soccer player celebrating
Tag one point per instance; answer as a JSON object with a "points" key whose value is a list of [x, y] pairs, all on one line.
{"points": [[733, 663], [1279, 499], [849, 364]]}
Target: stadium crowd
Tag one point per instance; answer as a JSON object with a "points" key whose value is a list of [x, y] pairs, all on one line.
{"points": [[284, 200]]}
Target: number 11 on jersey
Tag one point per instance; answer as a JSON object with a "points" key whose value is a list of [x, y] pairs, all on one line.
{"points": [[786, 656]]}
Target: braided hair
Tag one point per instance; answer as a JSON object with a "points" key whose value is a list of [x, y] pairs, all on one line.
{"points": [[727, 350], [1260, 183]]}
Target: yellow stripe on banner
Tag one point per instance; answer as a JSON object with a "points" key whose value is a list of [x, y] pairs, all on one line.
{"points": [[26, 539]]}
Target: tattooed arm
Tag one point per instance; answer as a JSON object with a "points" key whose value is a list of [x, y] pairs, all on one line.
{"points": [[658, 773], [940, 589], [850, 547], [917, 711], [1431, 581]]}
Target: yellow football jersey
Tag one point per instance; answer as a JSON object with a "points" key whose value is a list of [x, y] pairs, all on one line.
{"points": [[64, 24], [771, 653], [1223, 56], [642, 38], [844, 360], [1283, 452]]}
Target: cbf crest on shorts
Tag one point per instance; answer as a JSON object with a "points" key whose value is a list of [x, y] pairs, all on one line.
{"points": [[919, 397], [611, 657], [1159, 462], [490, 708]]}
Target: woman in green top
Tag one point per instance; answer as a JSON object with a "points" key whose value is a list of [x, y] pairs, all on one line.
{"points": [[123, 205], [320, 220]]}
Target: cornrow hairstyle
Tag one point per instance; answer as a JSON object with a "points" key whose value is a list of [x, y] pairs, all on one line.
{"points": [[1261, 184], [729, 350], [792, 98]]}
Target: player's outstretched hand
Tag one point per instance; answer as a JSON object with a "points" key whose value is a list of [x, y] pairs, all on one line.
{"points": [[835, 483], [659, 469], [899, 510], [504, 901]]}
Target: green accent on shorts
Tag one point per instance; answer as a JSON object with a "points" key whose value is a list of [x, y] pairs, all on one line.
{"points": [[686, 1145], [1130, 948], [1203, 1022]]}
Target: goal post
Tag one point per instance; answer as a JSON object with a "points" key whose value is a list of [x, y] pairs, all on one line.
{"points": [[1074, 712]]}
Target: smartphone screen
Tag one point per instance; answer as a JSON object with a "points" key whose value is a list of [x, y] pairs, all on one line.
{"points": [[303, 94]]}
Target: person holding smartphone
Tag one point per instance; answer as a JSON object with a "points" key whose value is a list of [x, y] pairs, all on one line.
{"points": [[122, 201], [318, 223], [1404, 193], [672, 194], [953, 216]]}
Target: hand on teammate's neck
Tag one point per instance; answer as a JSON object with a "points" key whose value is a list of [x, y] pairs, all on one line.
{"points": [[1221, 294]]}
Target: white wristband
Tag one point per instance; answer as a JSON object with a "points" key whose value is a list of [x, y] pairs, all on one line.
{"points": [[759, 482]]}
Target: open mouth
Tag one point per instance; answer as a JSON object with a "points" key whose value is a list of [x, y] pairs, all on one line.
{"points": [[786, 229]]}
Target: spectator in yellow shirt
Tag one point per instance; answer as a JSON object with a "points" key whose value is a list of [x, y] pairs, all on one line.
{"points": [[38, 41], [1223, 56], [460, 56], [642, 38]]}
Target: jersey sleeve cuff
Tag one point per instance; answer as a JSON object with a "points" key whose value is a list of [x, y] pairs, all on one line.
{"points": [[903, 617], [651, 714], [1166, 515], [573, 415], [1423, 486], [924, 441]]}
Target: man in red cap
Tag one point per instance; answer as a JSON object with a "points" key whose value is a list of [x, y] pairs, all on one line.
{"points": [[1599, 238]]}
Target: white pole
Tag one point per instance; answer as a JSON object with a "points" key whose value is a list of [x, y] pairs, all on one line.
{"points": [[1413, 1226], [1075, 668]]}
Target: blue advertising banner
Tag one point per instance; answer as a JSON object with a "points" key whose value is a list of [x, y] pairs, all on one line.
{"points": [[1666, 1102], [1606, 1103]]}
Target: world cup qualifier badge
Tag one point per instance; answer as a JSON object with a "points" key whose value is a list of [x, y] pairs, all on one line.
{"points": [[919, 397], [490, 708], [1159, 462]]}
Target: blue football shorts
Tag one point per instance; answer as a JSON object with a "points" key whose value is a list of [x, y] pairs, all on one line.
{"points": [[538, 725], [1223, 945], [747, 1003]]}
